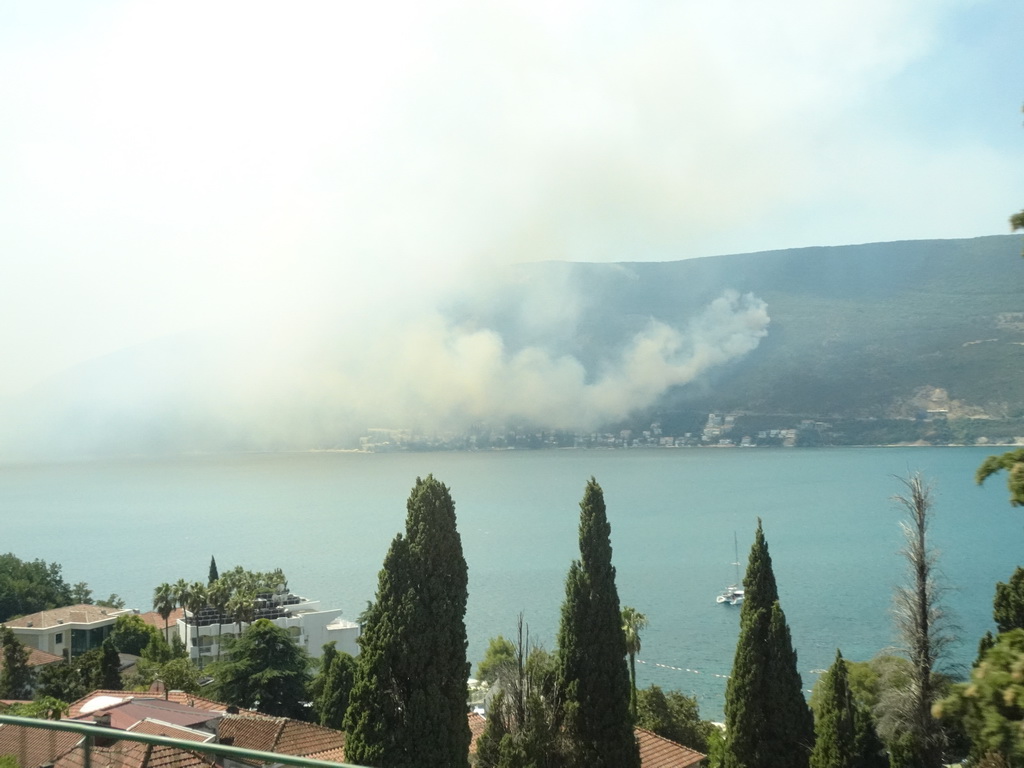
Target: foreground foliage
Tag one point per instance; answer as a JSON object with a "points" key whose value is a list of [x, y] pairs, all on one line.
{"points": [[675, 716], [593, 676], [408, 701], [524, 715], [768, 724], [991, 704], [266, 671]]}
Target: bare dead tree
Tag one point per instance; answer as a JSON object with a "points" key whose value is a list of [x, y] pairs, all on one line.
{"points": [[904, 711]]}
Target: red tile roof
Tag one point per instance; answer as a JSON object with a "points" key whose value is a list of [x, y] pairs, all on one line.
{"points": [[37, 658], [279, 734], [132, 754], [154, 619], [655, 751], [34, 746], [477, 725], [659, 752], [69, 614]]}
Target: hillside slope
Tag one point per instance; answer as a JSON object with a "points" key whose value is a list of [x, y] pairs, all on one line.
{"points": [[856, 331]]}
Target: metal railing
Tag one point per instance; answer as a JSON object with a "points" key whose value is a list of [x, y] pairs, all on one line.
{"points": [[93, 733]]}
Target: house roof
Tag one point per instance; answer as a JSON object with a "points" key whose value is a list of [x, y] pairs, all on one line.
{"points": [[69, 614], [37, 658], [127, 712], [159, 728], [655, 751], [34, 746], [658, 752], [154, 619], [280, 734], [101, 699], [132, 754], [477, 726]]}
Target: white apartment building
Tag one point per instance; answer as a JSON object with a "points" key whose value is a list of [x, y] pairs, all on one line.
{"points": [[205, 636]]}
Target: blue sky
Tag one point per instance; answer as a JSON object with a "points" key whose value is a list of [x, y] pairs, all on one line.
{"points": [[199, 166]]}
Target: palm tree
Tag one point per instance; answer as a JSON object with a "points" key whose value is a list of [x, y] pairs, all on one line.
{"points": [[196, 598], [163, 603], [632, 623], [219, 593], [181, 592], [241, 607]]}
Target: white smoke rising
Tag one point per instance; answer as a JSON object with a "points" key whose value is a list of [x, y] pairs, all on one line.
{"points": [[424, 372]]}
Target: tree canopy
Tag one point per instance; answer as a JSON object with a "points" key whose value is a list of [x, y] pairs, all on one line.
{"points": [[267, 671], [768, 723], [991, 703], [31, 586], [408, 703], [15, 674], [675, 716], [593, 675]]}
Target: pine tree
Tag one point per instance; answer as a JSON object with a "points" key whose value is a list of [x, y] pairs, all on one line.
{"points": [[593, 675], [266, 671], [331, 688], [768, 723], [214, 575], [15, 674], [110, 667], [408, 701], [835, 727]]}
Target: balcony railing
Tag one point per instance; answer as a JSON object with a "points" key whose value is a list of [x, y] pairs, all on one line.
{"points": [[95, 737]]}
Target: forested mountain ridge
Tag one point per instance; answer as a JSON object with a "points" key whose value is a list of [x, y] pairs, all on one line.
{"points": [[860, 331], [884, 342]]}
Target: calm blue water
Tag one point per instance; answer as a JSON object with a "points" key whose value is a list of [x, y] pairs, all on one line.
{"points": [[327, 520]]}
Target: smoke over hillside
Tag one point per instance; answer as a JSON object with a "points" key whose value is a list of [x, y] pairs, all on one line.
{"points": [[525, 358]]}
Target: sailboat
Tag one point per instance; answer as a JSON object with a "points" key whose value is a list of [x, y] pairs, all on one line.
{"points": [[733, 594]]}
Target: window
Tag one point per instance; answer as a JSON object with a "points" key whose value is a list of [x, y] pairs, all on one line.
{"points": [[58, 638]]}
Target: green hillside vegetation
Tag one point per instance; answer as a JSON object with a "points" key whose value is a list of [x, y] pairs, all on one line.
{"points": [[856, 331]]}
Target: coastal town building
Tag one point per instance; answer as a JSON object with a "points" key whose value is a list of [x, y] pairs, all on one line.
{"points": [[68, 631], [206, 632]]}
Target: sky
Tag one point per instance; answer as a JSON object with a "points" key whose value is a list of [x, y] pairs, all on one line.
{"points": [[280, 173]]}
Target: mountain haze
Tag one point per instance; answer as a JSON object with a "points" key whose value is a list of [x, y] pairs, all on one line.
{"points": [[876, 331]]}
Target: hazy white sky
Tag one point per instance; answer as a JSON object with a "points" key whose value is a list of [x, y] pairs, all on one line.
{"points": [[170, 167]]}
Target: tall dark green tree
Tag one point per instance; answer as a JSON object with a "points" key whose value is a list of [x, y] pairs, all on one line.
{"points": [[15, 674], [213, 576], [593, 676], [332, 686], [767, 721], [110, 667], [266, 671], [835, 724], [408, 702]]}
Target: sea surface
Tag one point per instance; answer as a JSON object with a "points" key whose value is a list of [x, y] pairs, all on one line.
{"points": [[327, 519]]}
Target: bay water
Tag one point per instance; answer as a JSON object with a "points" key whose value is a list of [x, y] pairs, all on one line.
{"points": [[327, 519]]}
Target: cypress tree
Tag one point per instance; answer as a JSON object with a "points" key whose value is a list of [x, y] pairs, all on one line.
{"points": [[767, 721], [408, 702], [213, 575], [835, 727], [593, 675], [15, 674]]}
